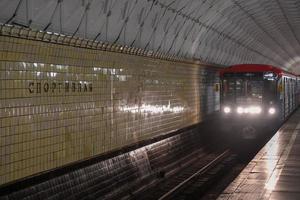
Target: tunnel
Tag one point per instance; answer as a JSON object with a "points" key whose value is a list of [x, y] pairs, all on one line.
{"points": [[101, 99]]}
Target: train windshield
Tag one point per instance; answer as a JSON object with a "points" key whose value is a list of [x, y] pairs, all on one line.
{"points": [[244, 88]]}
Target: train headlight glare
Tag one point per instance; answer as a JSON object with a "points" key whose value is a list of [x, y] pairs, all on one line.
{"points": [[227, 109], [250, 109], [258, 110], [272, 111], [240, 110], [255, 109]]}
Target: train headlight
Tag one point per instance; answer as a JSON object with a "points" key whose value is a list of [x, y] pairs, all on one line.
{"points": [[227, 109], [251, 110], [254, 109], [272, 111], [239, 110]]}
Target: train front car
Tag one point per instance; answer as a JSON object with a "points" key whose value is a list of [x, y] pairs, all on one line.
{"points": [[250, 99]]}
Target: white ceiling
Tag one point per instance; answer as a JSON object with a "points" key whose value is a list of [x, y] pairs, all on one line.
{"points": [[216, 31]]}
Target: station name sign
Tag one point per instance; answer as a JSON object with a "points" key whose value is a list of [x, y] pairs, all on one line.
{"points": [[59, 87]]}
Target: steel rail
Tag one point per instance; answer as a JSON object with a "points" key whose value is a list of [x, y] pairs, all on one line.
{"points": [[199, 172]]}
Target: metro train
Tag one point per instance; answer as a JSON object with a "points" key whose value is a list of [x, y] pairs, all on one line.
{"points": [[255, 97]]}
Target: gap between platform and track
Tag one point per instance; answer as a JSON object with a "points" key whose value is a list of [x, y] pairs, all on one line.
{"points": [[201, 171]]}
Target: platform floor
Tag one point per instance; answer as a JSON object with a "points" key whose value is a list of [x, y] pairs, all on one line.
{"points": [[274, 173]]}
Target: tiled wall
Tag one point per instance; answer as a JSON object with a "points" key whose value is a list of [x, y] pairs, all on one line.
{"points": [[60, 104], [118, 177]]}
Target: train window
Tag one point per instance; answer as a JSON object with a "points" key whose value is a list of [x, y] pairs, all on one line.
{"points": [[228, 87], [240, 87], [254, 89], [249, 88], [252, 92], [270, 88], [242, 90]]}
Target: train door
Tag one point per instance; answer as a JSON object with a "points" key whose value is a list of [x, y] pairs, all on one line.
{"points": [[298, 91], [289, 80], [281, 103], [287, 96], [293, 93]]}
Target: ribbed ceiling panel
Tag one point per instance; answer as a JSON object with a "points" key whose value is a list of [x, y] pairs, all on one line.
{"points": [[216, 31]]}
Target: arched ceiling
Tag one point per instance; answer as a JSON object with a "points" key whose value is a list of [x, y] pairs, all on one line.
{"points": [[216, 31]]}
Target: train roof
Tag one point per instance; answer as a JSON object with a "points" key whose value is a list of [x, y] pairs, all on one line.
{"points": [[254, 68]]}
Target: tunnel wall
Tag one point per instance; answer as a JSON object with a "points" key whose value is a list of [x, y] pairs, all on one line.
{"points": [[61, 104]]}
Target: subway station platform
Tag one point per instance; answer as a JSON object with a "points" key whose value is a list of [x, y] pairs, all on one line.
{"points": [[274, 173]]}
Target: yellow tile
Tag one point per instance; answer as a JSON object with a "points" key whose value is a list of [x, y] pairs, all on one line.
{"points": [[84, 124]]}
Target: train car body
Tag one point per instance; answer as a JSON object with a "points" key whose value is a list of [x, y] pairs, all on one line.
{"points": [[255, 97]]}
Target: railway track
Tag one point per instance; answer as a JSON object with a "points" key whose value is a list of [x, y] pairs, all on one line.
{"points": [[178, 189], [192, 181]]}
